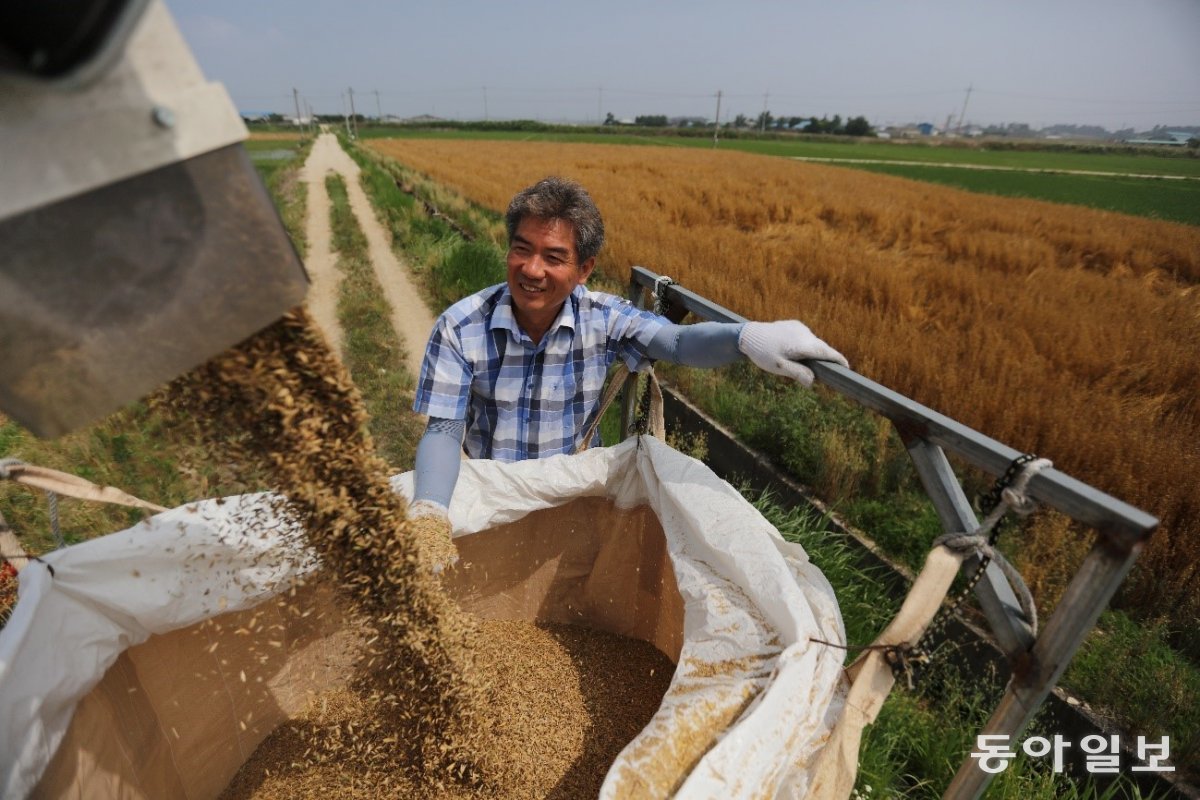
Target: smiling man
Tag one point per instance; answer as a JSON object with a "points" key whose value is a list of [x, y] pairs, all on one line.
{"points": [[516, 371]]}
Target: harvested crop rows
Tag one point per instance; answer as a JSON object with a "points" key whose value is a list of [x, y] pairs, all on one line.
{"points": [[1060, 330]]}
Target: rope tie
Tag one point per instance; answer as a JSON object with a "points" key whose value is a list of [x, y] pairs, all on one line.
{"points": [[1007, 494], [660, 293], [6, 465], [978, 544]]}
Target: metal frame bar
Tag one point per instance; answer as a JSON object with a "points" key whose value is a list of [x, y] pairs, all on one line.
{"points": [[1122, 530]]}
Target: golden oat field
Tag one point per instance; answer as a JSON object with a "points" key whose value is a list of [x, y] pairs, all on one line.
{"points": [[1061, 330]]}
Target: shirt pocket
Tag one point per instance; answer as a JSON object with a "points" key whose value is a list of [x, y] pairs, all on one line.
{"points": [[562, 393], [582, 390]]}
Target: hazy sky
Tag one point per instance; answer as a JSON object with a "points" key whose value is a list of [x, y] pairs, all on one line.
{"points": [[1115, 63]]}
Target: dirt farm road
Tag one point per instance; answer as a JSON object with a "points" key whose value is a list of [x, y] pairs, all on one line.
{"points": [[410, 317]]}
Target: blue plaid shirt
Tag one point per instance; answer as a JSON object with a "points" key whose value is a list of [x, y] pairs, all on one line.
{"points": [[522, 400]]}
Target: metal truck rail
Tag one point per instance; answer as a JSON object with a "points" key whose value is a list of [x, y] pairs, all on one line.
{"points": [[1121, 531]]}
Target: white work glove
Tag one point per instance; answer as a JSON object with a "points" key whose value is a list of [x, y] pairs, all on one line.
{"points": [[429, 524], [779, 347]]}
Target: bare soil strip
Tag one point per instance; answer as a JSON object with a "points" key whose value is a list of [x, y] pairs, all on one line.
{"points": [[322, 261]]}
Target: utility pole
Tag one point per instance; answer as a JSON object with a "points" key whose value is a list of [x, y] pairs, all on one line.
{"points": [[762, 127], [296, 100], [345, 118], [353, 121], [958, 130], [600, 106], [378, 107], [312, 120], [485, 108], [717, 124]]}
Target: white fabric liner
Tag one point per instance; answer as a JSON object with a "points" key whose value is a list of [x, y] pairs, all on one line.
{"points": [[752, 699]]}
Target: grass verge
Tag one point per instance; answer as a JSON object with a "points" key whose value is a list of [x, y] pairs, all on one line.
{"points": [[280, 174], [447, 266]]}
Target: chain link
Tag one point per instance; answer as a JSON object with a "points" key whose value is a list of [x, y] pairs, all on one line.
{"points": [[660, 294], [901, 658], [989, 501]]}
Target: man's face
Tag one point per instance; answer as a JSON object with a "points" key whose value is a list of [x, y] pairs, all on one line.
{"points": [[543, 269]]}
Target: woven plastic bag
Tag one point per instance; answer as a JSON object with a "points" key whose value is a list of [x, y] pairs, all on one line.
{"points": [[170, 692]]}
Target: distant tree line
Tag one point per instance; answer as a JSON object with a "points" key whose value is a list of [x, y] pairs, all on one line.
{"points": [[652, 121], [854, 126], [765, 121]]}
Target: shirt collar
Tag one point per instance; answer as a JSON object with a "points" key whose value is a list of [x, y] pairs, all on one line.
{"points": [[504, 319]]}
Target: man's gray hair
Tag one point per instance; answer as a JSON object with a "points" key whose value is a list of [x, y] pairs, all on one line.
{"points": [[560, 198]]}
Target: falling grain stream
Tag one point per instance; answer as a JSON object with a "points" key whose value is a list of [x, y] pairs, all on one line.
{"points": [[442, 703]]}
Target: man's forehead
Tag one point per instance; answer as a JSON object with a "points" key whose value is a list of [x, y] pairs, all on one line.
{"points": [[559, 232]]}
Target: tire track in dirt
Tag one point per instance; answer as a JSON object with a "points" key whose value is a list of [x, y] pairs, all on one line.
{"points": [[410, 318]]}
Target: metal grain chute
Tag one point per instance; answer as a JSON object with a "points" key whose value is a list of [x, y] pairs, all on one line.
{"points": [[136, 239]]}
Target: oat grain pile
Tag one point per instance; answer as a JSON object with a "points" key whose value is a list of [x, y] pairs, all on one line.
{"points": [[443, 704], [566, 700]]}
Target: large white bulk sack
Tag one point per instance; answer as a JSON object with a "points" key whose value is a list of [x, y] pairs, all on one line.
{"points": [[636, 539]]}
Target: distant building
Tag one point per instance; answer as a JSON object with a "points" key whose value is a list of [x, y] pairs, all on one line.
{"points": [[1168, 138], [925, 128], [908, 131], [422, 119], [688, 122]]}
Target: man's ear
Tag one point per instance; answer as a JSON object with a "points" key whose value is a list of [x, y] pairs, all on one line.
{"points": [[585, 269]]}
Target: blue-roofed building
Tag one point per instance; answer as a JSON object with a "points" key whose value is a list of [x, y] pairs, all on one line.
{"points": [[1169, 138]]}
